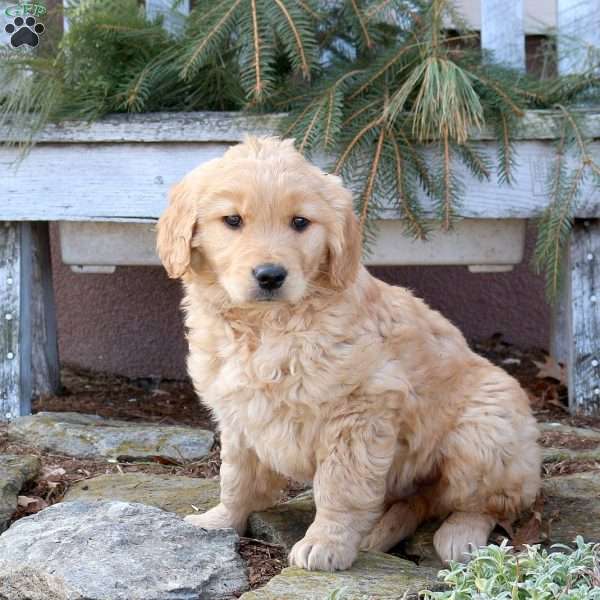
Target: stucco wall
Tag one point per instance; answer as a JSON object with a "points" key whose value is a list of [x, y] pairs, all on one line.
{"points": [[129, 322]]}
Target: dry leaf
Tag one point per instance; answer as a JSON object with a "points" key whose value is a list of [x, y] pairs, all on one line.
{"points": [[53, 473], [531, 532], [31, 504], [552, 369]]}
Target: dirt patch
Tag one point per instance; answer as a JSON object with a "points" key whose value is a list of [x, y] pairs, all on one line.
{"points": [[116, 397], [264, 560], [556, 439]]}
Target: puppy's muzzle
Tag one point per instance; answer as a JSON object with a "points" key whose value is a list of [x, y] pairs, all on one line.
{"points": [[270, 276]]}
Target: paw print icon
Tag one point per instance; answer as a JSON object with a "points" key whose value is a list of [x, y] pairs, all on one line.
{"points": [[25, 31]]}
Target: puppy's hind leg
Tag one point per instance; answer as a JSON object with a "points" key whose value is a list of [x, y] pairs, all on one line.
{"points": [[399, 521], [461, 533]]}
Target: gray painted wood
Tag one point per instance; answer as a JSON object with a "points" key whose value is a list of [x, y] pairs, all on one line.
{"points": [[503, 32], [28, 342], [233, 127], [583, 319], [174, 17], [129, 182], [10, 310], [161, 127], [560, 342], [578, 35], [44, 357]]}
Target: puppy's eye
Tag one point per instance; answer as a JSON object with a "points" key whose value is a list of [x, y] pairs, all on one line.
{"points": [[233, 221], [300, 223]]}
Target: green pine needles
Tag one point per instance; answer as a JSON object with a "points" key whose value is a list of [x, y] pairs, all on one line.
{"points": [[380, 86]]}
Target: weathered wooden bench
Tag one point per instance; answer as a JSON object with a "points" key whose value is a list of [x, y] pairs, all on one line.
{"points": [[106, 184]]}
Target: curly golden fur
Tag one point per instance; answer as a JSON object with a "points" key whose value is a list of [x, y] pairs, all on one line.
{"points": [[335, 377]]}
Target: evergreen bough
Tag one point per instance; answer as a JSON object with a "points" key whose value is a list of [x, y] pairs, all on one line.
{"points": [[378, 85]]}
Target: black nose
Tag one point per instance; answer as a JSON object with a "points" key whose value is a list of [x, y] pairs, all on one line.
{"points": [[270, 276]]}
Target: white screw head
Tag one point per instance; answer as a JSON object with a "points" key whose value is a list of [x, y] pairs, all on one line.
{"points": [[593, 299], [8, 317], [10, 281], [597, 392], [8, 415], [590, 256], [10, 356], [594, 363]]}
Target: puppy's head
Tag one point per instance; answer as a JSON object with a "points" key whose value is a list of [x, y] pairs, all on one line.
{"points": [[263, 224]]}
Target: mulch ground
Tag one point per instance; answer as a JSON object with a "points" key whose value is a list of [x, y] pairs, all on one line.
{"points": [[174, 402]]}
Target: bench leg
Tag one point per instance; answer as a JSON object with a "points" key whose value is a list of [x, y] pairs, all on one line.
{"points": [[576, 329], [28, 340]]}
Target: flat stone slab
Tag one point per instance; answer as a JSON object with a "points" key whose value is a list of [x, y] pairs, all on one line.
{"points": [[563, 442], [91, 436], [172, 493], [285, 523], [15, 472], [117, 551], [573, 504], [374, 576]]}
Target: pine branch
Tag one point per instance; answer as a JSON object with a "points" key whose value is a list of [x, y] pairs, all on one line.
{"points": [[355, 140], [506, 150], [361, 21], [211, 37], [415, 225], [304, 63], [447, 183], [367, 194]]}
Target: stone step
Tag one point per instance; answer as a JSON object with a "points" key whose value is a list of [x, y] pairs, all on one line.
{"points": [[174, 493], [373, 575], [91, 436]]}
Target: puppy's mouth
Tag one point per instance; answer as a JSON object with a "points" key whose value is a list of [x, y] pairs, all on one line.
{"points": [[267, 295]]}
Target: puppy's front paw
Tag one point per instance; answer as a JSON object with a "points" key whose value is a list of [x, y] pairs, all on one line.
{"points": [[322, 554], [218, 517], [460, 534]]}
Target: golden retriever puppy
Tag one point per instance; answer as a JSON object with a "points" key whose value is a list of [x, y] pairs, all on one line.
{"points": [[317, 371]]}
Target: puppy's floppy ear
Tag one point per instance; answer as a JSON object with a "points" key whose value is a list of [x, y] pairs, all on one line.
{"points": [[345, 246], [175, 231]]}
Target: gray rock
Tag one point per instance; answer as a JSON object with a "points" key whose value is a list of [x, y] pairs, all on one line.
{"points": [[15, 472], [90, 436], [373, 576], [586, 442], [170, 492], [117, 551], [285, 523], [572, 505], [419, 546]]}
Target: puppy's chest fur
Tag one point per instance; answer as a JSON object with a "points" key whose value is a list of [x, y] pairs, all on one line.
{"points": [[276, 390]]}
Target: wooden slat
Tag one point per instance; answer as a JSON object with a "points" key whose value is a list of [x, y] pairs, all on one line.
{"points": [[10, 310], [160, 127], [174, 20], [129, 182], [233, 127], [502, 31], [44, 351], [583, 326], [28, 341], [578, 39]]}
